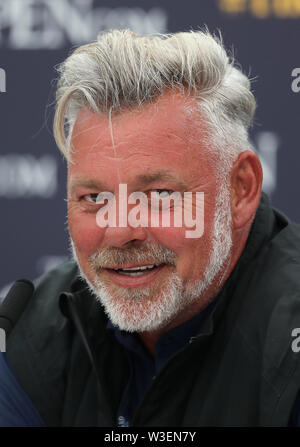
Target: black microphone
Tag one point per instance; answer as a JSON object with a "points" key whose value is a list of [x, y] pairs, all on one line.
{"points": [[14, 304]]}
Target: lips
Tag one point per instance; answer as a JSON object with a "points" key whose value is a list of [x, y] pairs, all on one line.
{"points": [[134, 276]]}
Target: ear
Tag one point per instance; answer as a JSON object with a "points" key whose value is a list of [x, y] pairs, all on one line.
{"points": [[246, 183]]}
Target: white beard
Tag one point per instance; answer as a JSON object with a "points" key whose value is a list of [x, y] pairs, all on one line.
{"points": [[138, 310]]}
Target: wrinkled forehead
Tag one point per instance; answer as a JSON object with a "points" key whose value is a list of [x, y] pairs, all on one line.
{"points": [[158, 126], [165, 138]]}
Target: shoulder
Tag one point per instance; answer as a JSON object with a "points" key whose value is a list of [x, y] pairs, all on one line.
{"points": [[42, 310], [269, 295], [263, 311], [269, 286], [39, 345], [57, 279]]}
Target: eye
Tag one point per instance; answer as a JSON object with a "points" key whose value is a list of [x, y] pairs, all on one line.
{"points": [[93, 197], [162, 193], [161, 199]]}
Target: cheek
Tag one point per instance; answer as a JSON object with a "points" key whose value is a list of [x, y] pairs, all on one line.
{"points": [[189, 251], [194, 258], [172, 238], [86, 235], [194, 253]]}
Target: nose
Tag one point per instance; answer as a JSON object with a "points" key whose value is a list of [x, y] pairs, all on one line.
{"points": [[121, 228], [122, 236]]}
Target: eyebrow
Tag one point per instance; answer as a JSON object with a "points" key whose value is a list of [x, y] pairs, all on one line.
{"points": [[147, 179], [140, 180], [90, 184]]}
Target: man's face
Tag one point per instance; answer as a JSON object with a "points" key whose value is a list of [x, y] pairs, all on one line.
{"points": [[155, 149]]}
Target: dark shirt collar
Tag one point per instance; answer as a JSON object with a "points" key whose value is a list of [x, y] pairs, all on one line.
{"points": [[170, 342]]}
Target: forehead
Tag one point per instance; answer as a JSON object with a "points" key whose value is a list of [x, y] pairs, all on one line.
{"points": [[160, 135]]}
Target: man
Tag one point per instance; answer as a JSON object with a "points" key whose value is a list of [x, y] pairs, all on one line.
{"points": [[149, 325]]}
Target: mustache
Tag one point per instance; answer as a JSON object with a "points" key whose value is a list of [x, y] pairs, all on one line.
{"points": [[148, 253]]}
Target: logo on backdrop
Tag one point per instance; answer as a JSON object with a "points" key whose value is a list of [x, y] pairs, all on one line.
{"points": [[262, 9], [24, 176], [53, 24], [266, 146]]}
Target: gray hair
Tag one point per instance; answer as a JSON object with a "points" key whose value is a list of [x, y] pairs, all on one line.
{"points": [[122, 70]]}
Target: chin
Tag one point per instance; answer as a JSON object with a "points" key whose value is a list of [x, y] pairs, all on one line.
{"points": [[143, 309]]}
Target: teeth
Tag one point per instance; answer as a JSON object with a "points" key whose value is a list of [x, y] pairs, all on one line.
{"points": [[144, 267], [130, 273], [136, 271]]}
